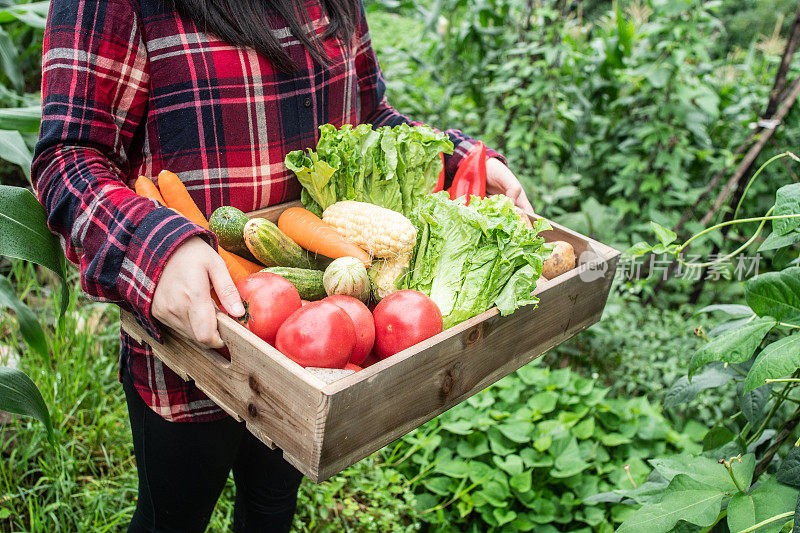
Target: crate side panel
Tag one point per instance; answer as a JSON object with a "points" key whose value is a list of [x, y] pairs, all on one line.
{"points": [[406, 395], [276, 405]]}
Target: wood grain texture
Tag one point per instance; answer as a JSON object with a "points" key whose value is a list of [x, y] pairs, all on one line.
{"points": [[277, 399], [394, 397]]}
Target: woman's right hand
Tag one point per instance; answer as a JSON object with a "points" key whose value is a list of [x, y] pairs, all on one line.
{"points": [[182, 299]]}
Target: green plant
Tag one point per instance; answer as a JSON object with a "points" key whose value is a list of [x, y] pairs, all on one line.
{"points": [[525, 454], [759, 348]]}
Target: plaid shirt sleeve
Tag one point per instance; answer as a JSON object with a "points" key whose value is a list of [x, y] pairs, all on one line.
{"points": [[94, 100], [376, 110]]}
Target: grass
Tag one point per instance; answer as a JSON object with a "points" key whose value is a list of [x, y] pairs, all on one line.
{"points": [[88, 481]]}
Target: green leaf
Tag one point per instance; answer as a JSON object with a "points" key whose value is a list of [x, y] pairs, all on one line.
{"points": [[717, 437], [775, 294], [522, 482], [787, 202], [28, 324], [789, 471], [734, 310], [9, 61], [19, 395], [21, 119], [569, 462], [459, 427], [519, 431], [666, 236], [706, 470], [685, 499], [683, 390], [474, 445], [775, 241], [765, 501], [638, 249], [453, 468], [14, 150], [24, 234], [777, 360], [734, 346], [752, 404]]}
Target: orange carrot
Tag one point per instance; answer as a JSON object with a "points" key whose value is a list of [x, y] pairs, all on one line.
{"points": [[145, 187], [177, 197], [309, 231], [238, 267]]}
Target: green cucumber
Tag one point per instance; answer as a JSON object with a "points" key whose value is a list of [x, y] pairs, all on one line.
{"points": [[307, 281], [273, 248], [228, 224]]}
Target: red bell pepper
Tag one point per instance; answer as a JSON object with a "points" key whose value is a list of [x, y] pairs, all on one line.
{"points": [[470, 178], [440, 183]]}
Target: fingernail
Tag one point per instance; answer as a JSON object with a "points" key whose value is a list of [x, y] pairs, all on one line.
{"points": [[237, 309]]}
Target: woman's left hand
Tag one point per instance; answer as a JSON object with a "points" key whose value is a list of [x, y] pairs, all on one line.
{"points": [[500, 180]]}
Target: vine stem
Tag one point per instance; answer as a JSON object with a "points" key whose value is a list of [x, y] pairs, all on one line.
{"points": [[762, 167], [778, 402], [768, 521], [785, 324], [783, 380], [731, 223]]}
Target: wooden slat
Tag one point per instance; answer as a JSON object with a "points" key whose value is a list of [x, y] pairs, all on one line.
{"points": [[398, 396], [278, 399]]}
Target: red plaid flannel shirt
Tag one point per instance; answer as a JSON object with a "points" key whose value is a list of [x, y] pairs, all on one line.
{"points": [[129, 87]]}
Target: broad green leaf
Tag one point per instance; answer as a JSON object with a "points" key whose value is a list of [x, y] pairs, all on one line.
{"points": [[504, 516], [21, 119], [777, 360], [787, 202], [734, 346], [775, 294], [789, 471], [666, 236], [459, 427], [569, 462], [453, 468], [638, 249], [518, 431], [14, 150], [33, 14], [775, 241], [716, 438], [521, 482], [685, 499], [28, 324], [473, 445], [511, 464], [706, 470], [752, 404], [584, 430], [24, 234], [9, 61], [19, 395], [765, 501], [683, 390], [734, 310]]}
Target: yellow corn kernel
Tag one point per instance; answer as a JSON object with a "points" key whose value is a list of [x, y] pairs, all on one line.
{"points": [[379, 231]]}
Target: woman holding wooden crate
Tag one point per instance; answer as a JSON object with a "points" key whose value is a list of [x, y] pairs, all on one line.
{"points": [[217, 91]]}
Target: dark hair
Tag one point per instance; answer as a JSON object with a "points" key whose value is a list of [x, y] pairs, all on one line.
{"points": [[244, 23]]}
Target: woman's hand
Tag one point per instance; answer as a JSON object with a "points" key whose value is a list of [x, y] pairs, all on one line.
{"points": [[500, 180], [182, 299]]}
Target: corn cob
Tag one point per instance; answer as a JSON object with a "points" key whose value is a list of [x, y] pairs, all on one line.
{"points": [[379, 231]]}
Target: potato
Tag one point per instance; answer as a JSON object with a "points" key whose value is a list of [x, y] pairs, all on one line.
{"points": [[561, 260]]}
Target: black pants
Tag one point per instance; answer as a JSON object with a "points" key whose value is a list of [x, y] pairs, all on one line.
{"points": [[183, 468]]}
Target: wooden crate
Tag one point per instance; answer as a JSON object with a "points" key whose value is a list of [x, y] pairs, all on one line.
{"points": [[324, 428]]}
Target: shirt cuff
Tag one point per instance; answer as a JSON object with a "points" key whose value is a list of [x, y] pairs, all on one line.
{"points": [[158, 234]]}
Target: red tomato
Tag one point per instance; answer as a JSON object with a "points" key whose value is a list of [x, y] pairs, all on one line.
{"points": [[319, 334], [370, 360], [362, 320], [269, 300], [403, 319], [351, 366]]}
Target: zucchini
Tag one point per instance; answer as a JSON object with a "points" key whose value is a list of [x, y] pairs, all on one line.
{"points": [[228, 224], [273, 248], [307, 281]]}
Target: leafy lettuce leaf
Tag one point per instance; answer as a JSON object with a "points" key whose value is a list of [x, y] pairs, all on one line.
{"points": [[390, 167], [471, 258]]}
